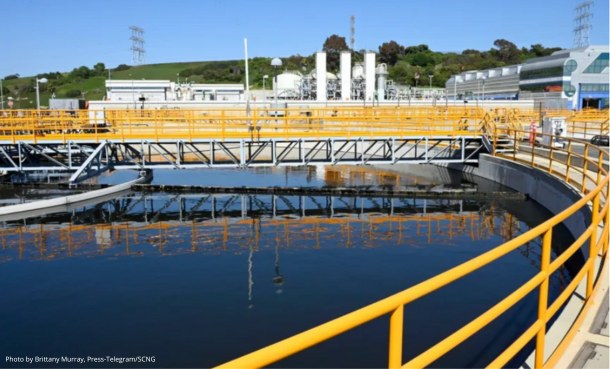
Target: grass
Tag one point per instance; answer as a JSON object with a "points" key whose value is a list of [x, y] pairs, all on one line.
{"points": [[95, 88]]}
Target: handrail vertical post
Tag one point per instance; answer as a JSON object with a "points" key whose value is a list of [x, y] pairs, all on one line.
{"points": [[495, 138], [222, 122], [551, 157], [396, 327], [584, 170], [569, 161], [593, 243], [606, 240], [543, 299], [515, 147]]}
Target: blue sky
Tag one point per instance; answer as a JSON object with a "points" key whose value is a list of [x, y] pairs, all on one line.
{"points": [[41, 36]]}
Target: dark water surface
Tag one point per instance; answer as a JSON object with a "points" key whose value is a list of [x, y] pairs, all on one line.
{"points": [[198, 280]]}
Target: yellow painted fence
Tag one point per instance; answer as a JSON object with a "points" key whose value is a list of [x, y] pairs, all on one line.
{"points": [[593, 184]]}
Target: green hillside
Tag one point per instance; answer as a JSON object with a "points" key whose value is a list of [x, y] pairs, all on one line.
{"points": [[24, 87], [407, 65]]}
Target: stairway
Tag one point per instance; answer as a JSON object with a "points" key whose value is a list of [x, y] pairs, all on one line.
{"points": [[497, 136]]}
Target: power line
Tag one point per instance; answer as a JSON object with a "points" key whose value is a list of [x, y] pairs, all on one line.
{"points": [[138, 53]]}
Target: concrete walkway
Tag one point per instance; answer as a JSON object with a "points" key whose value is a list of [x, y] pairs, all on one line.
{"points": [[590, 346]]}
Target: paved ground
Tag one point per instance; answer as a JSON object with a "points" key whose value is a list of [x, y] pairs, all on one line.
{"points": [[594, 354], [590, 346]]}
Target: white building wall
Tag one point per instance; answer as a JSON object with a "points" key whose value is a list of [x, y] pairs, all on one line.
{"points": [[321, 76], [346, 75], [369, 76]]}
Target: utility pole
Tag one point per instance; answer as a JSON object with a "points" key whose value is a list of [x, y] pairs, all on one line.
{"points": [[1, 95]]}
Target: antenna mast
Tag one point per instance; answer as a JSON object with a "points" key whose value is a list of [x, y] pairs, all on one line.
{"points": [[353, 32]]}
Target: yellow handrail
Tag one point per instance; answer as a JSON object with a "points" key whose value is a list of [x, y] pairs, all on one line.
{"points": [[394, 304], [153, 124]]}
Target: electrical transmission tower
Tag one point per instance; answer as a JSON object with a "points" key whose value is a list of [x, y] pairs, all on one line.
{"points": [[353, 32], [138, 54], [582, 14]]}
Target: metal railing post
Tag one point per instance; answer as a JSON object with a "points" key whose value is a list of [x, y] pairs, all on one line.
{"points": [[533, 154], [584, 170], [551, 158], [396, 326], [569, 160], [222, 122], [543, 299], [515, 147], [606, 225], [495, 138], [593, 243]]}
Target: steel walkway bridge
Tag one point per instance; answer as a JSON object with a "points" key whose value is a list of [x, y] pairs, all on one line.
{"points": [[90, 142], [87, 143]]}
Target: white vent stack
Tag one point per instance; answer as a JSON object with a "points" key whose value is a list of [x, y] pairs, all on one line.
{"points": [[321, 76], [346, 75], [369, 76]]}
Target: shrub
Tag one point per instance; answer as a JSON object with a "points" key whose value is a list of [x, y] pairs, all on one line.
{"points": [[73, 93], [11, 76], [122, 67], [186, 73]]}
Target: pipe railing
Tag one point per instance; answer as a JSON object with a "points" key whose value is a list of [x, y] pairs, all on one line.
{"points": [[595, 188]]}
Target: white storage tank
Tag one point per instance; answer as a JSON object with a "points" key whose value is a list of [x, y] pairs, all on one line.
{"points": [[287, 81], [358, 70], [329, 75]]}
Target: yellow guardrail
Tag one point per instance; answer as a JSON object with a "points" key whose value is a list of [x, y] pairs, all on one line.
{"points": [[594, 186], [124, 125], [153, 124]]}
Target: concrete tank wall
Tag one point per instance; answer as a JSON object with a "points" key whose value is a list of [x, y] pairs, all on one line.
{"points": [[547, 190]]}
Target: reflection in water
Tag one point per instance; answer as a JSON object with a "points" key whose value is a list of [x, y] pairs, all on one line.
{"points": [[168, 225], [249, 271], [335, 176]]}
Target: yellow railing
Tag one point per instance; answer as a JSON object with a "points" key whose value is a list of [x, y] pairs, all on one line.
{"points": [[593, 184], [153, 124], [224, 124]]}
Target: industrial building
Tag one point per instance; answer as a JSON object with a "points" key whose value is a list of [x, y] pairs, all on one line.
{"points": [[360, 82], [578, 77], [155, 91], [491, 84], [573, 79]]}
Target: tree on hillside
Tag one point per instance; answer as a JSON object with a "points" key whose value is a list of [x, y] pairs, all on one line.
{"points": [[99, 69], [540, 50], [389, 51], [11, 76], [333, 47], [416, 49], [422, 59], [470, 51], [507, 51], [80, 73]]}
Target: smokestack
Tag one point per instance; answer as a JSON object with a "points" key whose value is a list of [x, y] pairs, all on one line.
{"points": [[369, 76], [346, 75], [321, 76]]}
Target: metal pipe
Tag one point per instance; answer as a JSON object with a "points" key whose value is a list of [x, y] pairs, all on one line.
{"points": [[247, 75], [37, 95], [275, 85]]}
